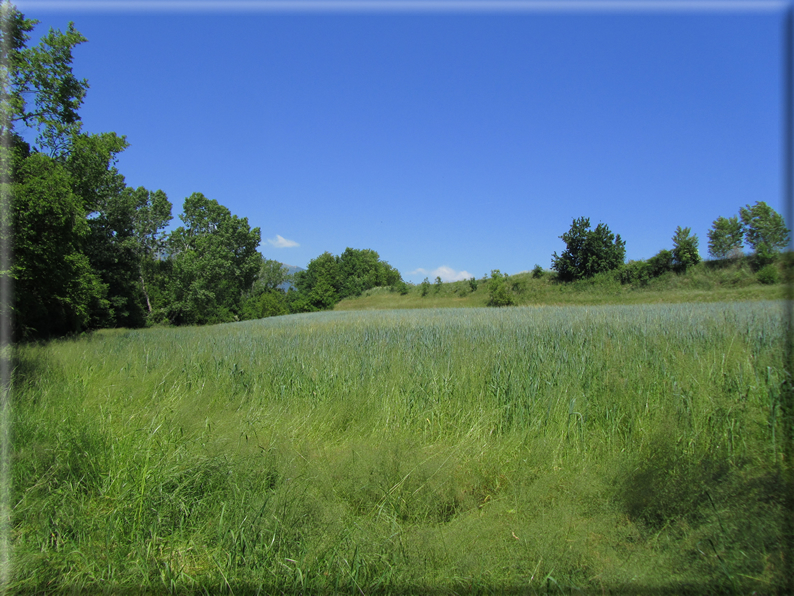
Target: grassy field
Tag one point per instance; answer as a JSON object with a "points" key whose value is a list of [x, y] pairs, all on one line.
{"points": [[609, 449]]}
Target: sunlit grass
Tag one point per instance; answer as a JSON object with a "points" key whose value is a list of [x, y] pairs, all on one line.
{"points": [[609, 447]]}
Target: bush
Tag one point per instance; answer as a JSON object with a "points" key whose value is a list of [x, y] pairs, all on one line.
{"points": [[499, 294], [635, 272], [768, 274], [537, 272], [402, 287], [425, 285], [473, 284], [660, 263]]}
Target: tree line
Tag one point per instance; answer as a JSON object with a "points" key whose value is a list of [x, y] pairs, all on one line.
{"points": [[91, 252], [589, 252]]}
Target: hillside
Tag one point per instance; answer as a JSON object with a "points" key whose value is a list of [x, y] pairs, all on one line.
{"points": [[709, 281]]}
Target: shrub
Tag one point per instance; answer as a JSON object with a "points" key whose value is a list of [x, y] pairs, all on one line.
{"points": [[537, 272], [498, 292], [425, 285], [660, 263], [768, 274], [635, 272], [473, 284]]}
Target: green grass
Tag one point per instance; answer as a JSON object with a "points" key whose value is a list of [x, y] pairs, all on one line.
{"points": [[536, 449]]}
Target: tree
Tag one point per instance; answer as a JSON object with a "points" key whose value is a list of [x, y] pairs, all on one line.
{"points": [[152, 215], [329, 279], [765, 230], [498, 292], [40, 89], [318, 283], [271, 277], [725, 237], [214, 262], [588, 251], [56, 289], [685, 249]]}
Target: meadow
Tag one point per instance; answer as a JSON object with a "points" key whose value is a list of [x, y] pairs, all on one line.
{"points": [[610, 449]]}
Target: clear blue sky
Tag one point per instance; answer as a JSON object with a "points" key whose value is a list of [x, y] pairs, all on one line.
{"points": [[451, 142]]}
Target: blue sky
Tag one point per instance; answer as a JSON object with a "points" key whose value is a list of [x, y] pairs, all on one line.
{"points": [[451, 141]]}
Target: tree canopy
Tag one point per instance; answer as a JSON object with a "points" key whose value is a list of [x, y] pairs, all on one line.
{"points": [[587, 251], [725, 237], [765, 230]]}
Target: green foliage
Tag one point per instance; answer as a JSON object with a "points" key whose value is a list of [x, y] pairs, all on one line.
{"points": [[587, 251], [272, 276], [318, 283], [635, 272], [685, 249], [473, 284], [768, 274], [499, 293], [424, 287], [270, 303], [725, 237], [152, 215], [537, 272], [43, 93], [214, 262], [437, 284], [329, 279], [765, 231], [661, 263], [56, 290]]}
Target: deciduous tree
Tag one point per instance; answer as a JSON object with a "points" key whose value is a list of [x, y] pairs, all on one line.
{"points": [[765, 230], [685, 249], [214, 262], [588, 251], [725, 237]]}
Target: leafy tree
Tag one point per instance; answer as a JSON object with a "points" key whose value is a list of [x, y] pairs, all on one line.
{"points": [[473, 284], [425, 287], [588, 251], [272, 275], [537, 272], [214, 262], [319, 282], [152, 215], [329, 279], [725, 237], [765, 230], [270, 303], [498, 291], [437, 284], [685, 249], [42, 92], [360, 270], [56, 289]]}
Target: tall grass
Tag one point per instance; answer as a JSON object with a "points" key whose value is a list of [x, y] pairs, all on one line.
{"points": [[612, 448]]}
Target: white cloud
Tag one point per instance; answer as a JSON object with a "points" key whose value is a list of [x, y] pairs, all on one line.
{"points": [[281, 242], [446, 274]]}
